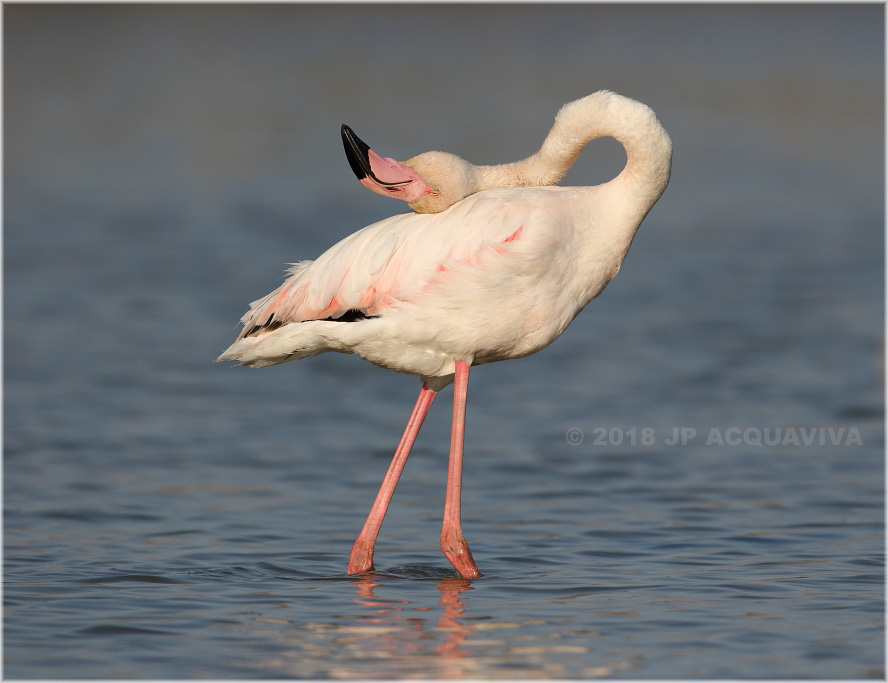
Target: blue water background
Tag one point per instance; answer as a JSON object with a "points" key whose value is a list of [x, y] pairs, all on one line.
{"points": [[168, 517]]}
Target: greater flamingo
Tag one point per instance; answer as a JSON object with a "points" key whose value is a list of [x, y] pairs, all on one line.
{"points": [[495, 266]]}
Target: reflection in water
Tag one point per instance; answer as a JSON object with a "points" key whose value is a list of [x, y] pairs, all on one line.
{"points": [[393, 632], [453, 610], [389, 631], [457, 646]]}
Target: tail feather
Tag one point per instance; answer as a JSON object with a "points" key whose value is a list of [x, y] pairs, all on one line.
{"points": [[289, 342]]}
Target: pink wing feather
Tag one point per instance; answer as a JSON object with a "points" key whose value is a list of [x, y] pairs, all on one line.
{"points": [[387, 262]]}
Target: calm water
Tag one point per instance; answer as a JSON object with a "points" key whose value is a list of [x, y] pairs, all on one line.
{"points": [[168, 517]]}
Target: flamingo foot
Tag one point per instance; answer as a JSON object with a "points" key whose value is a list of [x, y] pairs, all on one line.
{"points": [[361, 558], [456, 549]]}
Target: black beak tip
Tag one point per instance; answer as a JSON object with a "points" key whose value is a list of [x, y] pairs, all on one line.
{"points": [[356, 151]]}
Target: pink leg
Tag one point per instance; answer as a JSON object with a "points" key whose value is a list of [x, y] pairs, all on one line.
{"points": [[361, 559], [452, 541]]}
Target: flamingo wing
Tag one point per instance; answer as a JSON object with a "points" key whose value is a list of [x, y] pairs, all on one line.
{"points": [[391, 262], [339, 285]]}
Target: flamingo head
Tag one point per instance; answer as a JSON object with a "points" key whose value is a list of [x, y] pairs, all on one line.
{"points": [[429, 182]]}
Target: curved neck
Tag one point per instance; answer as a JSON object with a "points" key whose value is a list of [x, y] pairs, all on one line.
{"points": [[601, 114]]}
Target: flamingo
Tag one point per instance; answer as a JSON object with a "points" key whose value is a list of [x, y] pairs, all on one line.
{"points": [[494, 264]]}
